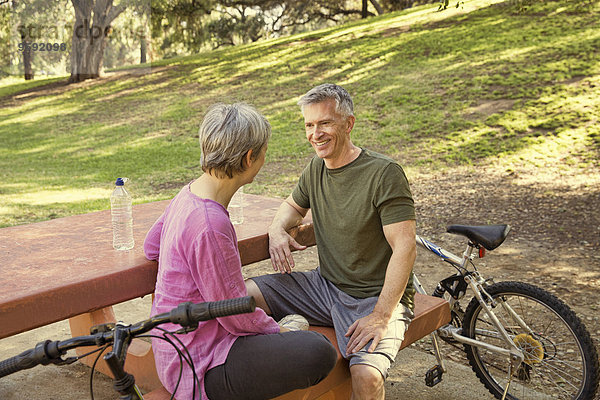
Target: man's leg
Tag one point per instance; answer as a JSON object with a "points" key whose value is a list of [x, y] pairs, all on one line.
{"points": [[369, 370], [367, 383], [303, 293], [255, 292]]}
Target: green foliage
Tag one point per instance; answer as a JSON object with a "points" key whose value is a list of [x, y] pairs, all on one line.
{"points": [[478, 85], [179, 25], [47, 21], [36, 21], [183, 27]]}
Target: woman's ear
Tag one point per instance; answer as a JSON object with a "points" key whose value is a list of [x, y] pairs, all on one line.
{"points": [[247, 159]]}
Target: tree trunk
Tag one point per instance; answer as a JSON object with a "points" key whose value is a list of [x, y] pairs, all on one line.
{"points": [[26, 40], [90, 31], [143, 50], [27, 69], [365, 9], [377, 7], [27, 56]]}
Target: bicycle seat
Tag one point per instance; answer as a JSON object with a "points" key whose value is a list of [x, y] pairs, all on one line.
{"points": [[488, 236]]}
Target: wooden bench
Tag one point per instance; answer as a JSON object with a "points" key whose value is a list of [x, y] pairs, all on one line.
{"points": [[430, 314], [66, 268]]}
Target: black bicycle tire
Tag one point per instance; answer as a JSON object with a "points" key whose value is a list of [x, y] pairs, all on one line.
{"points": [[589, 355]]}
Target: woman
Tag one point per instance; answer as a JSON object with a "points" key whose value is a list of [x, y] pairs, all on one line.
{"points": [[245, 356]]}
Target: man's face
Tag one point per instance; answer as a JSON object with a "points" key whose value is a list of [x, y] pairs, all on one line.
{"points": [[327, 131]]}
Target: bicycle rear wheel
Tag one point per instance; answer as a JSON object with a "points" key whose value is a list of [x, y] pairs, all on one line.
{"points": [[560, 358]]}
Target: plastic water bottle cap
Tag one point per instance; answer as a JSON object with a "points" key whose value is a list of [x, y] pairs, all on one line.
{"points": [[121, 181]]}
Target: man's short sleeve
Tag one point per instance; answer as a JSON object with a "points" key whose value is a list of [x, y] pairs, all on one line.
{"points": [[393, 198], [302, 189]]}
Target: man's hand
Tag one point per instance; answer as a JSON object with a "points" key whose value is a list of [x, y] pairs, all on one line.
{"points": [[373, 326], [279, 249]]}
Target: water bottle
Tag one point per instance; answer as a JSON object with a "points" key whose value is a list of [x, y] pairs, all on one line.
{"points": [[236, 207], [122, 218]]}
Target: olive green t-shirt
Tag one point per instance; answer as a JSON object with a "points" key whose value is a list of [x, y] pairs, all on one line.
{"points": [[350, 205]]}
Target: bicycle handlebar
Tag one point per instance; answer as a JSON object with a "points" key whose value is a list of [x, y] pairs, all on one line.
{"points": [[185, 314]]}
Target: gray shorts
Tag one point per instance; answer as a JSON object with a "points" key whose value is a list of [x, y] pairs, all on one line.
{"points": [[323, 304]]}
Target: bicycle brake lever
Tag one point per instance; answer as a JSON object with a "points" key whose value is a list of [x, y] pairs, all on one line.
{"points": [[64, 361], [187, 329]]}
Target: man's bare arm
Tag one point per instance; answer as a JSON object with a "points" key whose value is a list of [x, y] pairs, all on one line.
{"points": [[288, 215], [401, 237]]}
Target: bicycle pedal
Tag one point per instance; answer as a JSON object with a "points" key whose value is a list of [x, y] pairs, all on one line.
{"points": [[434, 375]]}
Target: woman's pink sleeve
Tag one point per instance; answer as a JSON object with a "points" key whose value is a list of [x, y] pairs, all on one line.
{"points": [[219, 277], [152, 241]]}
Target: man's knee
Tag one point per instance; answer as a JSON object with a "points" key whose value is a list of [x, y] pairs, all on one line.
{"points": [[254, 291], [366, 380]]}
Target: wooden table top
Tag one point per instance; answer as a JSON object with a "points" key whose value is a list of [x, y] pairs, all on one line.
{"points": [[53, 270]]}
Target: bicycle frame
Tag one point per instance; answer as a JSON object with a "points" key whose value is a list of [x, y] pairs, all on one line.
{"points": [[475, 281]]}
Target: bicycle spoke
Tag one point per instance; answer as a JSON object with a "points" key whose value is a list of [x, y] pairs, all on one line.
{"points": [[554, 383], [558, 371]]}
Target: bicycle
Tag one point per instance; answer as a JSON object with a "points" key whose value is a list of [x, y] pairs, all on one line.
{"points": [[119, 335], [521, 341]]}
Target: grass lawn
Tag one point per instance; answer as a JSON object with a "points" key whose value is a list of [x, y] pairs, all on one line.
{"points": [[478, 85]]}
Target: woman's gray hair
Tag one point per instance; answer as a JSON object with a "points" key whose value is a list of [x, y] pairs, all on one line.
{"points": [[227, 133], [326, 91]]}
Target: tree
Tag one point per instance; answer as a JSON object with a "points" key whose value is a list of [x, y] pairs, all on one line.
{"points": [[236, 24], [179, 26], [5, 51], [30, 26], [25, 38], [184, 26], [92, 25]]}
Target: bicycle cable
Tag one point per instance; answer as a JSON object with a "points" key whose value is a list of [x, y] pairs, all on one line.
{"points": [[181, 358], [189, 360], [100, 351], [167, 335]]}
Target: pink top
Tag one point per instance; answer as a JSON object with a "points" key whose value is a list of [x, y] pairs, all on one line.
{"points": [[198, 261]]}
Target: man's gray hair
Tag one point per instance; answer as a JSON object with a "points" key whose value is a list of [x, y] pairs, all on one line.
{"points": [[326, 91], [227, 133]]}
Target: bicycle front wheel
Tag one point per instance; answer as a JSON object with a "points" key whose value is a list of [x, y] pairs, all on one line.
{"points": [[560, 358]]}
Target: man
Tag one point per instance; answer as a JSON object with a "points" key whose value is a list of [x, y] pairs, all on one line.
{"points": [[364, 223]]}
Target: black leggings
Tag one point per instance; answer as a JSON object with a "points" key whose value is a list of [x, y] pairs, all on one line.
{"points": [[266, 366]]}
